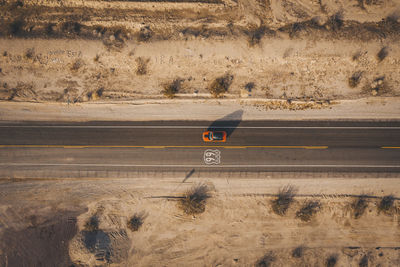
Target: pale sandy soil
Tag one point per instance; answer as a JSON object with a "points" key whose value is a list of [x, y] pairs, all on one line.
{"points": [[80, 51], [238, 226], [373, 108]]}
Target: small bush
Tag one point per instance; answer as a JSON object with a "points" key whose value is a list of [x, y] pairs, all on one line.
{"points": [[298, 252], [142, 65], [96, 58], [172, 88], [92, 224], [220, 85], [194, 200], [307, 211], [355, 79], [386, 204], [16, 27], [285, 198], [145, 34], [71, 27], [383, 53], [266, 260], [335, 22], [249, 86], [358, 206], [256, 34], [356, 56], [363, 261], [76, 65], [136, 221], [331, 261], [30, 53]]}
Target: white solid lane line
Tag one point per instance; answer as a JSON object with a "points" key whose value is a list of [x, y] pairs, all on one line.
{"points": [[199, 165]]}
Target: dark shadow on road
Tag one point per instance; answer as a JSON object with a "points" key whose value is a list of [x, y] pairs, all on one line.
{"points": [[229, 123], [188, 175]]}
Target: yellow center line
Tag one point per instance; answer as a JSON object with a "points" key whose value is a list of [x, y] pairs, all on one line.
{"points": [[160, 147], [390, 147]]}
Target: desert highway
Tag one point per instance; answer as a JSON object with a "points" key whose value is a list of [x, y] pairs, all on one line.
{"points": [[164, 145]]}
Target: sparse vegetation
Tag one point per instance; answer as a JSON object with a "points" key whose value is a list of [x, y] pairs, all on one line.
{"points": [[308, 210], [144, 34], [378, 86], [16, 27], [335, 22], [383, 53], [249, 86], [92, 224], [285, 198], [355, 79], [363, 261], [386, 204], [220, 85], [358, 206], [136, 221], [266, 260], [171, 89], [142, 63], [256, 34], [30, 53], [298, 252], [194, 200], [77, 64], [356, 56], [331, 261]]}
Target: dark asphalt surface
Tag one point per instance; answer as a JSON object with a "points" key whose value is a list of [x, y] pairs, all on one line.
{"points": [[351, 146]]}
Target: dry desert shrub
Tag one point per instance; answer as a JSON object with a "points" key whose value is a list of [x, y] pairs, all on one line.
{"points": [[335, 22], [358, 206], [386, 204], [194, 200], [220, 85], [266, 260], [298, 252], [308, 210], [331, 261], [142, 63], [379, 86], [256, 34], [77, 64], [383, 53], [92, 224], [363, 261], [136, 221], [355, 79], [285, 198], [30, 53], [171, 89], [144, 34], [16, 27]]}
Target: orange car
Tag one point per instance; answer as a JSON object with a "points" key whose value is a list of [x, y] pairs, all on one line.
{"points": [[211, 136]]}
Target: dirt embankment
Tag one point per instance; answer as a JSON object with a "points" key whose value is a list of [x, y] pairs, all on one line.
{"points": [[74, 51]]}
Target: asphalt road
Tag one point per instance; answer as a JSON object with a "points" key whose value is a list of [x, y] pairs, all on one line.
{"points": [[251, 146]]}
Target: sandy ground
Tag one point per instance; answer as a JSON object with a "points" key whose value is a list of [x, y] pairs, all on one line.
{"points": [[238, 226], [383, 108], [80, 51], [73, 60]]}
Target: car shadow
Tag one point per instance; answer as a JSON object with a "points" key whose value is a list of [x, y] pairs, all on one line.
{"points": [[227, 123]]}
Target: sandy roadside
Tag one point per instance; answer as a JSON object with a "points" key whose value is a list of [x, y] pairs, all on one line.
{"points": [[148, 110]]}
